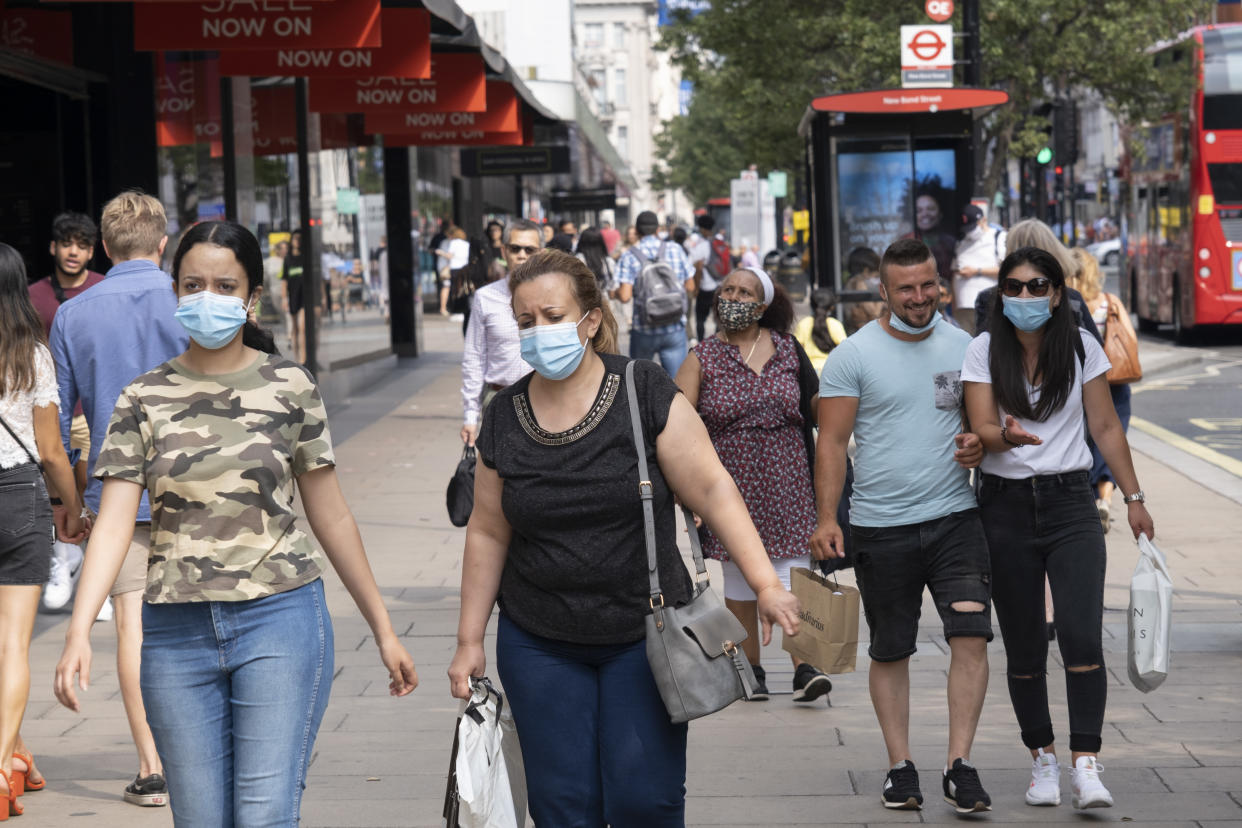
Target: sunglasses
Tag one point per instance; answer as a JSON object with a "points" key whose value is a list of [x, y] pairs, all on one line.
{"points": [[517, 248], [1039, 286]]}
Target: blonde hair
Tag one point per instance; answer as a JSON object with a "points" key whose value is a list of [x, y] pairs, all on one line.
{"points": [[1034, 233], [456, 233], [133, 224], [582, 283], [1088, 281]]}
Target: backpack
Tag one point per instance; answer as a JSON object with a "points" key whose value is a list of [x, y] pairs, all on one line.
{"points": [[659, 296], [720, 261]]}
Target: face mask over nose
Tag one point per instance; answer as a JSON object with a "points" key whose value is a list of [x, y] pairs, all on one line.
{"points": [[210, 319], [554, 351]]}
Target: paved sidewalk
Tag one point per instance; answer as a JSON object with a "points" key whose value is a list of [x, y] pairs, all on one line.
{"points": [[1173, 757]]}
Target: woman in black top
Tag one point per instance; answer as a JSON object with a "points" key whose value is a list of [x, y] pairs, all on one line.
{"points": [[291, 276], [557, 535]]}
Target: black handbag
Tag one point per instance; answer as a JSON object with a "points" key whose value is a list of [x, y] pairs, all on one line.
{"points": [[693, 649], [460, 494]]}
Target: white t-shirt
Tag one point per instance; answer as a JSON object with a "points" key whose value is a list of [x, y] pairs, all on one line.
{"points": [[459, 249], [698, 251], [986, 249], [1064, 447]]}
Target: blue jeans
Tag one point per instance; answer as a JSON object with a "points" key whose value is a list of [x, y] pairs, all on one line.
{"points": [[235, 692], [597, 742], [668, 342]]}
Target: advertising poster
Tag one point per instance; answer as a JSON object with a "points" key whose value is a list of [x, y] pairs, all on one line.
{"points": [[888, 191]]}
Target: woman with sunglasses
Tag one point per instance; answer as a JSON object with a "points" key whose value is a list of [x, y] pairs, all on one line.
{"points": [[1028, 381]]}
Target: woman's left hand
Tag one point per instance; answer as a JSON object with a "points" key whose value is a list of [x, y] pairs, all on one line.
{"points": [[778, 605], [1140, 520], [404, 678]]}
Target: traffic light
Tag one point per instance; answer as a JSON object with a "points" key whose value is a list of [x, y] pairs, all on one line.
{"points": [[1065, 131], [1044, 155], [1044, 112], [1058, 170]]}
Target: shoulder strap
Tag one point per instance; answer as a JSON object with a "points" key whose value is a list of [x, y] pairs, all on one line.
{"points": [[18, 440], [58, 289], [645, 492]]}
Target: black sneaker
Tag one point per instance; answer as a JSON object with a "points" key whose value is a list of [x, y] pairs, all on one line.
{"points": [[809, 684], [761, 690], [149, 791], [901, 788], [963, 790]]}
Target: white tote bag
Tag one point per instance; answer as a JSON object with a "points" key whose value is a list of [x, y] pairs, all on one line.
{"points": [[490, 777], [1150, 619]]}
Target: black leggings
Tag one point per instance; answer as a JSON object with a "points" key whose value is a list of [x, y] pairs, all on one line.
{"points": [[1037, 526], [703, 304]]}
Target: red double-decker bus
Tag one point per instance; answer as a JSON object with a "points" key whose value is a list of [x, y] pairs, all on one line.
{"points": [[1184, 195]]}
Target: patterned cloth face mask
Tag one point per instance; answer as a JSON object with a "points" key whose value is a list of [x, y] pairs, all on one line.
{"points": [[737, 316]]}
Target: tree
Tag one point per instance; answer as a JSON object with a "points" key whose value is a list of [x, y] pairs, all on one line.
{"points": [[756, 65]]}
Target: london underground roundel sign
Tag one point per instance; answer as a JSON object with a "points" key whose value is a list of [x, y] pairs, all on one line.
{"points": [[939, 10]]}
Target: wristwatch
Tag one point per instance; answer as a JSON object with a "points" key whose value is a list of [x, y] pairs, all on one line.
{"points": [[1137, 497]]}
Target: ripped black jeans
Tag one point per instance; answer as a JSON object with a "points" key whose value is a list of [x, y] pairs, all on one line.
{"points": [[1037, 526]]}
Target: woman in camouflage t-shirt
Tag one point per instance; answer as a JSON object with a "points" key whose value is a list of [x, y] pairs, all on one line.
{"points": [[237, 653]]}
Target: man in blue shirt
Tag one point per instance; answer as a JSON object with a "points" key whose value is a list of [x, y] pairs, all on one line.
{"points": [[647, 340], [101, 341], [896, 385]]}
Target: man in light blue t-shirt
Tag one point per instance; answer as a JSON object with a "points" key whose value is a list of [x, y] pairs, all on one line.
{"points": [[895, 384]]}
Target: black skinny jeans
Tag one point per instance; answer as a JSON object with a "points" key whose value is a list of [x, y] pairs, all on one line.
{"points": [[1037, 526], [704, 302]]}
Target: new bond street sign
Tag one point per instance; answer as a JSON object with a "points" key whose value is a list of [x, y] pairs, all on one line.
{"points": [[926, 56]]}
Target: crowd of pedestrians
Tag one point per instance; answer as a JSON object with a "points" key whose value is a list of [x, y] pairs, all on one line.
{"points": [[955, 464]]}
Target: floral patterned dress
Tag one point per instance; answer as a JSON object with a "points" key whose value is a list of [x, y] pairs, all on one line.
{"points": [[756, 427]]}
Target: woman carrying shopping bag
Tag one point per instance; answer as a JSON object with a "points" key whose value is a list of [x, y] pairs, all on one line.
{"points": [[1113, 322], [557, 536], [237, 642], [747, 383], [1027, 382], [30, 448]]}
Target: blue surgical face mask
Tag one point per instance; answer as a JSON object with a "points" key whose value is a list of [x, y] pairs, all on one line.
{"points": [[1028, 314], [210, 319], [899, 324], [554, 351]]}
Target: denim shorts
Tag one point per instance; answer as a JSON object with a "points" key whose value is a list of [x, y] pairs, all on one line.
{"points": [[25, 527], [949, 555]]}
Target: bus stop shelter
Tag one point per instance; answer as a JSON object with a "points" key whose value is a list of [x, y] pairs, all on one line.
{"points": [[886, 164]]}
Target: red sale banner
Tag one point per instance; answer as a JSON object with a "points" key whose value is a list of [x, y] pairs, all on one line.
{"points": [[457, 84], [38, 32], [406, 54], [257, 24], [501, 116], [187, 101]]}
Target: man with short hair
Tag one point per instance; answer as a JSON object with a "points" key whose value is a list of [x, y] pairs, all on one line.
{"points": [[73, 245], [101, 340], [648, 340], [896, 386], [570, 229], [707, 268], [492, 357], [976, 263]]}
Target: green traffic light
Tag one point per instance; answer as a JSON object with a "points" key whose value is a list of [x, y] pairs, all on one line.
{"points": [[1044, 155]]}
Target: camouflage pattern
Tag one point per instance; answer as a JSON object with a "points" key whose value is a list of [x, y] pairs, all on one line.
{"points": [[218, 456]]}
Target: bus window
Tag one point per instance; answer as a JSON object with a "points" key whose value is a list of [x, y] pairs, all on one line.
{"points": [[1226, 182]]}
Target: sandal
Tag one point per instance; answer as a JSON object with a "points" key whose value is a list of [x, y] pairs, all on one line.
{"points": [[26, 785], [10, 807]]}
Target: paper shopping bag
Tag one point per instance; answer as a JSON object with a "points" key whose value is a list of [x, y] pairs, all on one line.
{"points": [[1151, 607], [827, 638]]}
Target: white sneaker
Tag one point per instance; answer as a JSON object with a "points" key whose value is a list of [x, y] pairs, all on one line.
{"points": [[105, 612], [66, 567], [1089, 791], [1045, 788]]}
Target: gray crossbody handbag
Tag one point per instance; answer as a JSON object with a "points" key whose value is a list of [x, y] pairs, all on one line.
{"points": [[693, 650]]}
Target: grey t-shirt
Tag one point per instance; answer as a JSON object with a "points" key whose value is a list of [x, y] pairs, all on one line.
{"points": [[909, 409], [577, 564]]}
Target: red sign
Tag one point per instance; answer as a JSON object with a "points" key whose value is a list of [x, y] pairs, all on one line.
{"points": [[501, 116], [257, 24], [187, 101], [939, 10], [926, 45], [406, 54], [457, 84], [455, 138], [895, 101], [44, 34]]}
